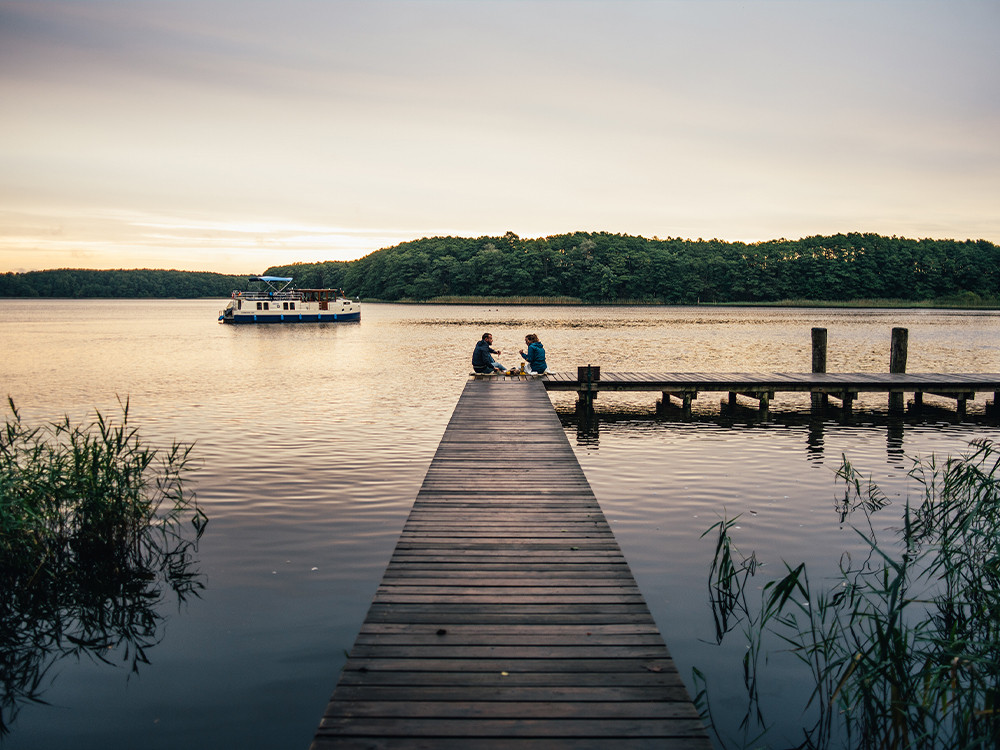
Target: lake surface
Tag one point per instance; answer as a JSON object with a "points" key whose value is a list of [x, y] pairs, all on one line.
{"points": [[311, 443]]}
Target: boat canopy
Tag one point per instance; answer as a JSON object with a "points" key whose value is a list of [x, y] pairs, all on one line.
{"points": [[273, 282]]}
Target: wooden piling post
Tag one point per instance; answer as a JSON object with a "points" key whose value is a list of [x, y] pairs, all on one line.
{"points": [[587, 376], [819, 400], [897, 364]]}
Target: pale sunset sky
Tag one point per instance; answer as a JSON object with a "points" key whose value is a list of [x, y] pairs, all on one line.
{"points": [[231, 135]]}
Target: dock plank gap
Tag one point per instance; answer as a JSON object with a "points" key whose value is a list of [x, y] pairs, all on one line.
{"points": [[507, 616]]}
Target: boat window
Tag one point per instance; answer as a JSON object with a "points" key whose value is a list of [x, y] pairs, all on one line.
{"points": [[259, 306], [284, 305], [291, 305], [267, 306], [239, 304]]}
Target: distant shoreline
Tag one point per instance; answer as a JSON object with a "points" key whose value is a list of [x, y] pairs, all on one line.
{"points": [[887, 304], [882, 304]]}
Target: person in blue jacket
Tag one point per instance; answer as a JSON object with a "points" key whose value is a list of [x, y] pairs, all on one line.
{"points": [[535, 356], [482, 356]]}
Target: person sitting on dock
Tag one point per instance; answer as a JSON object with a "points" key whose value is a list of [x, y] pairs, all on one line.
{"points": [[482, 356], [535, 356]]}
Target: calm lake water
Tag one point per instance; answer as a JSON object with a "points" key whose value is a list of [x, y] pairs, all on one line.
{"points": [[312, 441]]}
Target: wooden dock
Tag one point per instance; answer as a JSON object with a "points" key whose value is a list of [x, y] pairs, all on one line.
{"points": [[508, 616], [845, 386]]}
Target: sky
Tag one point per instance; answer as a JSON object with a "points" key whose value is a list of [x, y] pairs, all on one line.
{"points": [[232, 135]]}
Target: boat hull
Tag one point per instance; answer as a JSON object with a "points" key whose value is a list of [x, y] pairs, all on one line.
{"points": [[291, 317]]}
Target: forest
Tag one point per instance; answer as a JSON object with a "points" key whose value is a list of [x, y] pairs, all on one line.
{"points": [[78, 282], [598, 268], [609, 268]]}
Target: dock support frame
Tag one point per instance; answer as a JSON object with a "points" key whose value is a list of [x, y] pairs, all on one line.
{"points": [[685, 397]]}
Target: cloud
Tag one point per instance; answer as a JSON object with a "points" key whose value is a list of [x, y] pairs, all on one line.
{"points": [[738, 120]]}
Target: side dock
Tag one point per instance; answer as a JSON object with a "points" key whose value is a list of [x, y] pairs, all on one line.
{"points": [[685, 386], [508, 616], [762, 386]]}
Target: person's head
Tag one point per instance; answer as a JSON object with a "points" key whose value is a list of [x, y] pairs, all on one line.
{"points": [[488, 338], [531, 338]]}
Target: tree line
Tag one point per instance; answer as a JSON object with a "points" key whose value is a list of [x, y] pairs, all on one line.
{"points": [[595, 268], [603, 267], [78, 282]]}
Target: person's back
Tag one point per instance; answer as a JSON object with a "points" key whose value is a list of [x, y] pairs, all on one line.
{"points": [[481, 359], [482, 355], [536, 357]]}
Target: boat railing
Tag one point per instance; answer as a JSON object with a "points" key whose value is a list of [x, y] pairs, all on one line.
{"points": [[258, 295]]}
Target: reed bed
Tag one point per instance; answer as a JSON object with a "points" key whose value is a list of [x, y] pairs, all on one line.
{"points": [[902, 648]]}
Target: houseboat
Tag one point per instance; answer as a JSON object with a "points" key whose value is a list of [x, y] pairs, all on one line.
{"points": [[272, 301]]}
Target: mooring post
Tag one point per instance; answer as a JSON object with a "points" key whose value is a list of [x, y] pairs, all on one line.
{"points": [[587, 376], [819, 400], [897, 364]]}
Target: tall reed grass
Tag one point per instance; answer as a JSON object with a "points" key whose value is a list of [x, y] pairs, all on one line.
{"points": [[94, 527], [900, 649]]}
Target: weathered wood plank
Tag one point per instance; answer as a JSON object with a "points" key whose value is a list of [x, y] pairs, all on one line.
{"points": [[540, 580], [536, 693], [341, 742], [507, 616], [561, 631], [466, 708], [473, 637], [644, 679], [511, 727], [450, 652]]}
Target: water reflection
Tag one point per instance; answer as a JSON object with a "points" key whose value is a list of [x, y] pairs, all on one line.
{"points": [[894, 440], [814, 440], [588, 423], [104, 607]]}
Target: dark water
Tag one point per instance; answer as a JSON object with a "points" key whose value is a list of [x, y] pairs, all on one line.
{"points": [[311, 443]]}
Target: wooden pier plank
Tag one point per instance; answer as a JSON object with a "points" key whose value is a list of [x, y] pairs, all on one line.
{"points": [[507, 616]]}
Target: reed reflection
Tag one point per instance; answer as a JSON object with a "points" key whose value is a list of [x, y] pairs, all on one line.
{"points": [[98, 531], [102, 609]]}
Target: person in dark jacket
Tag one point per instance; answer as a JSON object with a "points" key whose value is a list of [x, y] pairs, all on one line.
{"points": [[482, 356], [535, 356]]}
